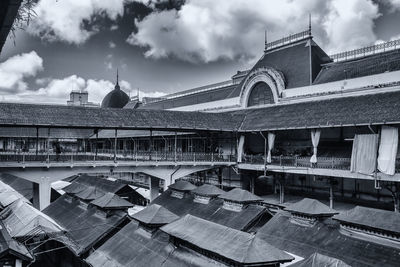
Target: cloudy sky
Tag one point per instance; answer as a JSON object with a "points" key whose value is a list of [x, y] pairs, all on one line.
{"points": [[170, 45]]}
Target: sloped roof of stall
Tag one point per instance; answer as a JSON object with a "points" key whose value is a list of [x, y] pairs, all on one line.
{"points": [[240, 195], [208, 190], [111, 201], [155, 215], [343, 111], [9, 195], [241, 247], [311, 207], [360, 67], [182, 186], [22, 186], [90, 193], [212, 211], [11, 246], [317, 260], [22, 220], [101, 183], [84, 225], [371, 218], [133, 246], [31, 115], [325, 238]]}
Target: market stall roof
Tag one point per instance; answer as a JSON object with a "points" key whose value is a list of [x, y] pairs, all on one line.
{"points": [[12, 246], [155, 215], [318, 260], [22, 220], [371, 218], [90, 193], [85, 225], [241, 196], [212, 211], [111, 201], [208, 190], [311, 207], [133, 246], [9, 195], [182, 186], [326, 238], [235, 245]]}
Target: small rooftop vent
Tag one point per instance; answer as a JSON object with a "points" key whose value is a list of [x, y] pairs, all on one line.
{"points": [[237, 198], [179, 188], [203, 194], [308, 212]]}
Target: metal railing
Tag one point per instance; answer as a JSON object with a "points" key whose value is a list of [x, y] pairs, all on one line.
{"points": [[120, 155], [288, 39], [302, 162], [365, 51]]}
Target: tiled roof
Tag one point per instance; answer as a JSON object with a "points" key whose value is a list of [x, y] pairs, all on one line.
{"points": [[325, 238], [240, 195], [155, 215], [311, 207], [235, 245], [44, 132], [208, 190], [12, 114], [193, 99], [371, 218], [182, 186], [346, 111], [370, 65]]}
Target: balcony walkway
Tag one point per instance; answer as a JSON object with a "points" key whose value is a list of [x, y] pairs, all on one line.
{"points": [[326, 166], [103, 158]]}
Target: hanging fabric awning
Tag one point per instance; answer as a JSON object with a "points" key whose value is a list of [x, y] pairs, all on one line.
{"points": [[240, 148], [271, 142], [363, 157], [388, 150], [315, 136]]}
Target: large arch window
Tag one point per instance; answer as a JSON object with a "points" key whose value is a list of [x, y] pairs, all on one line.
{"points": [[260, 94]]}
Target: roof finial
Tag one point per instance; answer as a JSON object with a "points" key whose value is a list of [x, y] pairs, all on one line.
{"points": [[265, 37], [117, 76], [309, 22]]}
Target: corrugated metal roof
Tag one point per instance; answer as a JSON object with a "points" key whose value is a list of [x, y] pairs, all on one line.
{"points": [[84, 225], [155, 215], [240, 195], [311, 207], [238, 246]]}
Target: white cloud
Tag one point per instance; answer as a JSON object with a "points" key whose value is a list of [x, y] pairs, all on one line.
{"points": [[111, 44], [208, 30], [395, 4], [64, 20], [14, 70]]}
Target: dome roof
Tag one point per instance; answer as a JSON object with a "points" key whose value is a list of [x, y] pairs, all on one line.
{"points": [[115, 99]]}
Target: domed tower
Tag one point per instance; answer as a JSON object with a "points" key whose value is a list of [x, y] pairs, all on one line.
{"points": [[116, 98]]}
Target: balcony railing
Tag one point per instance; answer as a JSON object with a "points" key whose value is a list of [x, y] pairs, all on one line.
{"points": [[120, 156], [302, 162]]}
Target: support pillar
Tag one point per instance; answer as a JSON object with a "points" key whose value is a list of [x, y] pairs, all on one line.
{"points": [[220, 177], [154, 188], [252, 183], [18, 263], [331, 194], [42, 193], [115, 145]]}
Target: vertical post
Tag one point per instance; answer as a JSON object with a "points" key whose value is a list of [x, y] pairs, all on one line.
{"points": [[37, 141], [48, 145], [331, 194], [115, 145], [151, 143], [97, 141], [154, 187], [176, 141]]}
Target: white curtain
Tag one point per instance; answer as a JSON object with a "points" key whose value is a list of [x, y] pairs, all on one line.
{"points": [[315, 136], [240, 148], [388, 150], [363, 156], [271, 142]]}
